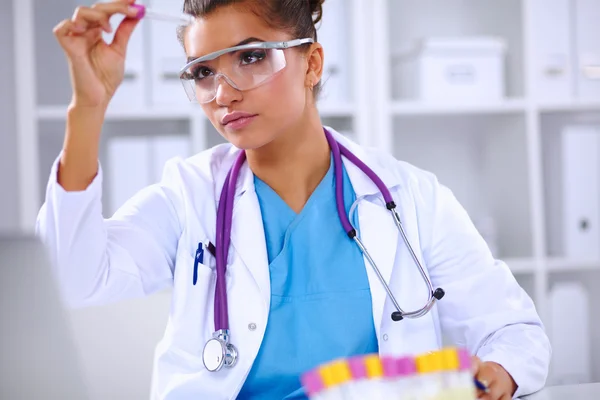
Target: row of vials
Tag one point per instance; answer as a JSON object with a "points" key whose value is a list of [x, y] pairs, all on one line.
{"points": [[441, 375]]}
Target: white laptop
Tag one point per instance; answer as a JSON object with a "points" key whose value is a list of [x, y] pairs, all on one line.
{"points": [[38, 357]]}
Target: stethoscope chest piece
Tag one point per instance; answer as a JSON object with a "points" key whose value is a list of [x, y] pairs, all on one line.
{"points": [[218, 352]]}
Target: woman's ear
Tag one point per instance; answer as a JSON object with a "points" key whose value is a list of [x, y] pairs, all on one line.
{"points": [[314, 60]]}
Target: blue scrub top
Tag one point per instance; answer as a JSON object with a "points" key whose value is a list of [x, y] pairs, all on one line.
{"points": [[320, 297]]}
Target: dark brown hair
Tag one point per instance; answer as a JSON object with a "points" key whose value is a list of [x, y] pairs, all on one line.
{"points": [[297, 17]]}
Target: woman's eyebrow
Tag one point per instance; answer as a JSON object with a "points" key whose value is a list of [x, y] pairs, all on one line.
{"points": [[243, 42]]}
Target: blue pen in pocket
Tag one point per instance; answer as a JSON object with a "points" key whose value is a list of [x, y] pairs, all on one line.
{"points": [[199, 259]]}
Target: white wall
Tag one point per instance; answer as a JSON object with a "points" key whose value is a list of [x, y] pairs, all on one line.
{"points": [[9, 206]]}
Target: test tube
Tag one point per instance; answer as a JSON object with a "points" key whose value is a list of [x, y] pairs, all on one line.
{"points": [[452, 384], [343, 377], [465, 375], [361, 388], [145, 12], [407, 383], [390, 374], [375, 375], [330, 373], [431, 380]]}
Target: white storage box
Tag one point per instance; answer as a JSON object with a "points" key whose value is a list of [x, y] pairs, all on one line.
{"points": [[453, 70], [135, 162]]}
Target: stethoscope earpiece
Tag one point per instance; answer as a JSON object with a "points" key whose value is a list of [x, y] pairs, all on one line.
{"points": [[439, 293], [397, 316]]}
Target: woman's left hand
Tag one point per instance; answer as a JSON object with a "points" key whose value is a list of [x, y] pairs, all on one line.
{"points": [[501, 385]]}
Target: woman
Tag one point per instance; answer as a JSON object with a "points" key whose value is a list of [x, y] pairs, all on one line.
{"points": [[299, 291]]}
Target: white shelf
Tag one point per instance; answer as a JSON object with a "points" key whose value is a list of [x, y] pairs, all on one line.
{"points": [[521, 266], [509, 106], [572, 265], [60, 112], [569, 106], [160, 113]]}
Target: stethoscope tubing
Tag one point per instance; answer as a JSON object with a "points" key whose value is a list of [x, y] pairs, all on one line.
{"points": [[224, 224]]}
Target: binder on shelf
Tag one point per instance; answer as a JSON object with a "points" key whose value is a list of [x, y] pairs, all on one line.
{"points": [[135, 162], [168, 56], [587, 61], [166, 147], [129, 163], [333, 34], [551, 38], [581, 192]]}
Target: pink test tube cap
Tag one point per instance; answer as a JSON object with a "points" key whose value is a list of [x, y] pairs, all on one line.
{"points": [[464, 359], [406, 366], [358, 368], [390, 367], [141, 10], [312, 382]]}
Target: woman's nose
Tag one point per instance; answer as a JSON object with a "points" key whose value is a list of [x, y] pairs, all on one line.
{"points": [[226, 93]]}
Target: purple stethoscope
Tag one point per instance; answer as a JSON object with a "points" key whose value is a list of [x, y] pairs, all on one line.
{"points": [[218, 351]]}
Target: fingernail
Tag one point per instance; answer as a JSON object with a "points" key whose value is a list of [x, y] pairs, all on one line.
{"points": [[78, 28], [137, 11]]}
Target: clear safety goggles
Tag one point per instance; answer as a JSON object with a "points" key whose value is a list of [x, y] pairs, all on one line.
{"points": [[243, 67]]}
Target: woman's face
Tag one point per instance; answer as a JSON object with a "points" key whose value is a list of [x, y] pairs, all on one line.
{"points": [[275, 106]]}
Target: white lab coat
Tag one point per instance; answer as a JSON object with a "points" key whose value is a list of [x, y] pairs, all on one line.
{"points": [[150, 243]]}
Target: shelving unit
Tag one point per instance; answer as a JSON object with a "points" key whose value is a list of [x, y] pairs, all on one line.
{"points": [[493, 154], [569, 106], [564, 265]]}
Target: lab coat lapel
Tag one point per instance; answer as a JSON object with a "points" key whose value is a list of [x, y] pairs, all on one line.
{"points": [[247, 233]]}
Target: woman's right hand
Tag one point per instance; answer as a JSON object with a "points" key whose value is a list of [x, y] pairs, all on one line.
{"points": [[96, 68]]}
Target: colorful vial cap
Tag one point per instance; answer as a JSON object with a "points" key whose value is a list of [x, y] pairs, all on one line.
{"points": [[312, 382], [450, 360], [341, 371], [406, 366], [335, 373], [358, 368], [429, 363], [327, 375], [389, 366], [374, 367], [464, 360]]}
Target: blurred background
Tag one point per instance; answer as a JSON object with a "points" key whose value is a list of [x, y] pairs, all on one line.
{"points": [[499, 98]]}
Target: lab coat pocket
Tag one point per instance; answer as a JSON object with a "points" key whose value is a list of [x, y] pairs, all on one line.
{"points": [[411, 336], [192, 308]]}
